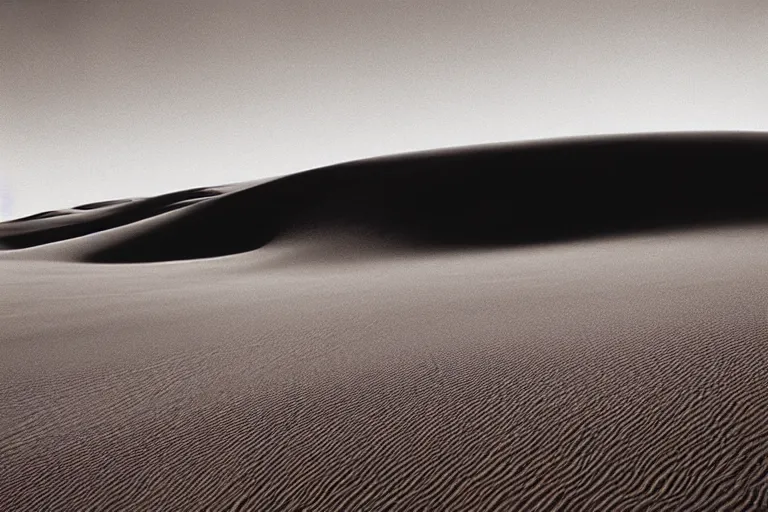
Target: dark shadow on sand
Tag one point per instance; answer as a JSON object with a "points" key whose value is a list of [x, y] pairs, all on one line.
{"points": [[472, 197]]}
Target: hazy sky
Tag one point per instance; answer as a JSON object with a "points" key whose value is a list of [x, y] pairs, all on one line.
{"points": [[110, 99]]}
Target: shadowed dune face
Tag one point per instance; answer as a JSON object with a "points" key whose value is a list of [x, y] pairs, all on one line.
{"points": [[101, 204], [93, 218], [472, 197], [42, 215]]}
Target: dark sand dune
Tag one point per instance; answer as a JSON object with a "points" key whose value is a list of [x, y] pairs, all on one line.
{"points": [[55, 226], [41, 215], [484, 196], [102, 204], [571, 325]]}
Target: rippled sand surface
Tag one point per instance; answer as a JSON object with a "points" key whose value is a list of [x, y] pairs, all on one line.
{"points": [[335, 368]]}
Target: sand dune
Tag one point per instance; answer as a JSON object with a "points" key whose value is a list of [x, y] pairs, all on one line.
{"points": [[566, 325]]}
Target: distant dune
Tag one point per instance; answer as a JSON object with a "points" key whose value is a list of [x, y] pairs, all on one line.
{"points": [[577, 324]]}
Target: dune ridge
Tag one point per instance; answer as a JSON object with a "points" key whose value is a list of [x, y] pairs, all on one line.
{"points": [[476, 196], [369, 337]]}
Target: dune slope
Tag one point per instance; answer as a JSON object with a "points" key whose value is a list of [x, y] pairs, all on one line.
{"points": [[498, 195]]}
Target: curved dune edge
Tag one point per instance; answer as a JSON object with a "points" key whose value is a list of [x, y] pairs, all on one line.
{"points": [[356, 361], [484, 196]]}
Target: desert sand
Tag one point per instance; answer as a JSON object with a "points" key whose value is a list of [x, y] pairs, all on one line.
{"points": [[578, 324]]}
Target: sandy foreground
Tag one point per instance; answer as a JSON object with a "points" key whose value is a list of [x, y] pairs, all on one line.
{"points": [[330, 370]]}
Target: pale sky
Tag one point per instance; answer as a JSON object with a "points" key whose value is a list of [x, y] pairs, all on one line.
{"points": [[111, 99]]}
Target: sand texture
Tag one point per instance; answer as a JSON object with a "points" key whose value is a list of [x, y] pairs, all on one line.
{"points": [[571, 325]]}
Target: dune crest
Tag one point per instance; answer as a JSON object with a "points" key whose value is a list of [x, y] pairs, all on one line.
{"points": [[499, 195]]}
